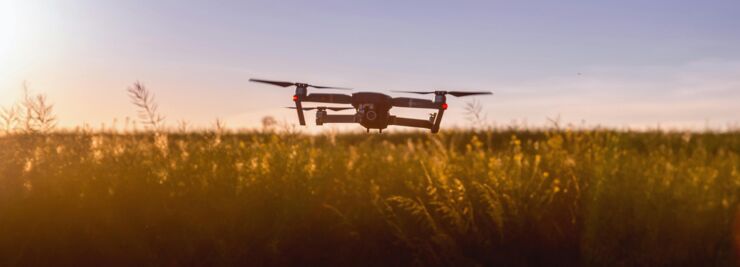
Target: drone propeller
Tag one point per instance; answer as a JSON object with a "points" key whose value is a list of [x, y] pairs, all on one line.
{"points": [[286, 84], [453, 93], [329, 108]]}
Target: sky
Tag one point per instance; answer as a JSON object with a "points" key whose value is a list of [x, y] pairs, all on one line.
{"points": [[636, 64]]}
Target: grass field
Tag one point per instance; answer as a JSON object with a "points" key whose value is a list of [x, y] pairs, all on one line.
{"points": [[460, 198]]}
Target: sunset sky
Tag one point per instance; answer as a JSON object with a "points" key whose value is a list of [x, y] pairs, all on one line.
{"points": [[617, 63]]}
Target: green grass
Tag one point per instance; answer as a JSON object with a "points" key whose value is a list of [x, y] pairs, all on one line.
{"points": [[511, 198]]}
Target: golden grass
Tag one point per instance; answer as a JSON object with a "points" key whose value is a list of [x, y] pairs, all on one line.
{"points": [[594, 197]]}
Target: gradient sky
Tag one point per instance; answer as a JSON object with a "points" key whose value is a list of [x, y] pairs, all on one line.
{"points": [[617, 63]]}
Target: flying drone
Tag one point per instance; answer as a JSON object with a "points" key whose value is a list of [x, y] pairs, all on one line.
{"points": [[372, 110]]}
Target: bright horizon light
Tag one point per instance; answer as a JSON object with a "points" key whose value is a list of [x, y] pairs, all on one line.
{"points": [[8, 45], [26, 33], [8, 48]]}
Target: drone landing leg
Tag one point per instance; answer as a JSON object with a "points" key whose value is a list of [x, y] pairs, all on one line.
{"points": [[299, 108], [438, 121]]}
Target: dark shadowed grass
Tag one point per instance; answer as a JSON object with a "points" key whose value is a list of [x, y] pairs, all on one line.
{"points": [[511, 198]]}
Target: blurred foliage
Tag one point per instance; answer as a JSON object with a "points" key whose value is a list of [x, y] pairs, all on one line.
{"points": [[459, 198]]}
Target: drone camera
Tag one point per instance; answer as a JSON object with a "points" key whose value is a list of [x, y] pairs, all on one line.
{"points": [[320, 115], [371, 115]]}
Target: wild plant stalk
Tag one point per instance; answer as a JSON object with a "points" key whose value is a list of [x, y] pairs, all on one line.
{"points": [[474, 113], [10, 119], [41, 111], [268, 123], [142, 98], [219, 125], [182, 126], [34, 114], [555, 122]]}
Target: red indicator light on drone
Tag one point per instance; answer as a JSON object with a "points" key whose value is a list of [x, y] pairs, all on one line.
{"points": [[444, 105], [295, 98]]}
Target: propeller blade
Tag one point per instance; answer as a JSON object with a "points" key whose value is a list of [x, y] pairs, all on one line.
{"points": [[463, 93], [416, 92], [453, 93], [340, 109], [307, 108], [286, 84], [329, 87], [278, 83]]}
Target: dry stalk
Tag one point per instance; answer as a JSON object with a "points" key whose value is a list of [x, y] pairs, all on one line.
{"points": [[142, 98]]}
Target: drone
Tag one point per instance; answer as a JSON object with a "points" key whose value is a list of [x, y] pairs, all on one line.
{"points": [[372, 110]]}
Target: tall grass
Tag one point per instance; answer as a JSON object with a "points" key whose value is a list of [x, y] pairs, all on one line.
{"points": [[512, 198], [33, 114]]}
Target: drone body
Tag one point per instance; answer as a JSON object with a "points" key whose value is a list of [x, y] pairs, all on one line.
{"points": [[372, 110]]}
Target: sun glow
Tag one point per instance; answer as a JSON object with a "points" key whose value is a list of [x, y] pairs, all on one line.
{"points": [[8, 35], [23, 32], [8, 43]]}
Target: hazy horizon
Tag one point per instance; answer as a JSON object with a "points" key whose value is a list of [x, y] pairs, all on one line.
{"points": [[627, 64]]}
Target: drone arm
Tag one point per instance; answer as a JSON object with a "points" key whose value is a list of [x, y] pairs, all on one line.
{"points": [[338, 119], [328, 98], [410, 122], [407, 102]]}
